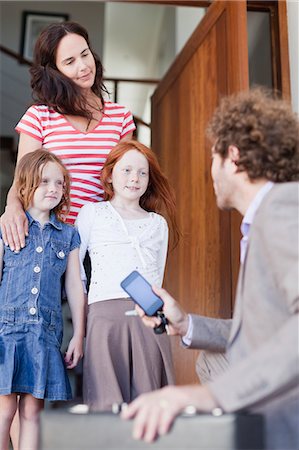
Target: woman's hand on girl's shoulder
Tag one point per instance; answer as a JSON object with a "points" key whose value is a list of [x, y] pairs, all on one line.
{"points": [[14, 227]]}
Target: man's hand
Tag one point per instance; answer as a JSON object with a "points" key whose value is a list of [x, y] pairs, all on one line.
{"points": [[155, 412], [178, 320], [14, 227]]}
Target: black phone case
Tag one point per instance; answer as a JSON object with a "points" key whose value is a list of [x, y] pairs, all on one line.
{"points": [[126, 283]]}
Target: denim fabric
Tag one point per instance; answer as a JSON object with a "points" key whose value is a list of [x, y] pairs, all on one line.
{"points": [[30, 312]]}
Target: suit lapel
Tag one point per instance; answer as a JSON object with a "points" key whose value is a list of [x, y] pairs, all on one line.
{"points": [[237, 316]]}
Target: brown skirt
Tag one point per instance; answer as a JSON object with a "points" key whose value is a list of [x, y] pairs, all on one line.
{"points": [[123, 358]]}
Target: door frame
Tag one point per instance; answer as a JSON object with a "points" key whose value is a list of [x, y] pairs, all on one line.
{"points": [[278, 27]]}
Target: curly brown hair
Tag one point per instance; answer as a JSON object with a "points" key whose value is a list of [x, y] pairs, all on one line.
{"points": [[264, 129], [159, 195], [28, 177]]}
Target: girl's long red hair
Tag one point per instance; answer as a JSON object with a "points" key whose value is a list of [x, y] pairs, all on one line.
{"points": [[159, 196]]}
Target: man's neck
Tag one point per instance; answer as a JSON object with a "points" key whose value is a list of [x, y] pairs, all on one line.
{"points": [[248, 189]]}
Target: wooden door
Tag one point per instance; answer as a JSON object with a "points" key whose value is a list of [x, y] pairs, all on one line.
{"points": [[201, 271]]}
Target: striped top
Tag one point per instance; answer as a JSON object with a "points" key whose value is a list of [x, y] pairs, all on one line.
{"points": [[83, 153]]}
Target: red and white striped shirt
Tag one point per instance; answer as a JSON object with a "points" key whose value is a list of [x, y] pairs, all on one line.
{"points": [[82, 153]]}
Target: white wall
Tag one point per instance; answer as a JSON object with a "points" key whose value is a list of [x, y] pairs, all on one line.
{"points": [[187, 19], [128, 49], [15, 92], [144, 46]]}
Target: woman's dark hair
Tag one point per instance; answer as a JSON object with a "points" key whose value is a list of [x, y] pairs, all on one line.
{"points": [[49, 86], [264, 129]]}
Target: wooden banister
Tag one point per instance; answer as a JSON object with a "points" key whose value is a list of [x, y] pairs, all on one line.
{"points": [[15, 55]]}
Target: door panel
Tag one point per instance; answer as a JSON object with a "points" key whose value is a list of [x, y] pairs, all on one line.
{"points": [[201, 271]]}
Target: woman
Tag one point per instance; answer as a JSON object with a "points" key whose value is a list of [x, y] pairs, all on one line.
{"points": [[69, 118]]}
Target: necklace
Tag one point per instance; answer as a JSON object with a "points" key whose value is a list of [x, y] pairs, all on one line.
{"points": [[88, 123], [98, 108]]}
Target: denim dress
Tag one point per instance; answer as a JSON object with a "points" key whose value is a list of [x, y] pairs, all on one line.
{"points": [[30, 312]]}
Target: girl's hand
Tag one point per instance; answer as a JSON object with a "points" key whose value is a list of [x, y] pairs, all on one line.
{"points": [[14, 227], [74, 352]]}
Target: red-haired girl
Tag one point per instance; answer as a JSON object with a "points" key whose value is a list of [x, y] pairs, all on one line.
{"points": [[124, 233]]}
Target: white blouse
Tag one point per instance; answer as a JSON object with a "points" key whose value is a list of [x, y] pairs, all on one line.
{"points": [[117, 246]]}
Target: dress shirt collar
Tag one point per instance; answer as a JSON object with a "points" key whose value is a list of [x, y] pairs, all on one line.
{"points": [[249, 216]]}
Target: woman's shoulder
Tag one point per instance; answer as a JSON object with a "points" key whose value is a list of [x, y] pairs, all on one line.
{"points": [[111, 107], [42, 111], [41, 108]]}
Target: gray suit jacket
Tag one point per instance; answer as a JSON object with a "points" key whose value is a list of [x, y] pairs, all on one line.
{"points": [[262, 339]]}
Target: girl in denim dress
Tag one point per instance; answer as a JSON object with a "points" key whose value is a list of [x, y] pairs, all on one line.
{"points": [[31, 364]]}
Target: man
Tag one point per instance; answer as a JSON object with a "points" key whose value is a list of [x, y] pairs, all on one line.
{"points": [[254, 170]]}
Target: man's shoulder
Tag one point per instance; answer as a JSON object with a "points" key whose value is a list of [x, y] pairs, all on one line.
{"points": [[279, 208], [285, 193], [280, 189]]}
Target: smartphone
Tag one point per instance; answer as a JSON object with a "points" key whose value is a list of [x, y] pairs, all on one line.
{"points": [[141, 293]]}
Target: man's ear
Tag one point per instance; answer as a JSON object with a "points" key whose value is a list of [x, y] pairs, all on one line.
{"points": [[233, 153]]}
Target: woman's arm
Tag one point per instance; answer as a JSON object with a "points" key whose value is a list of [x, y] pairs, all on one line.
{"points": [[127, 137], [14, 224]]}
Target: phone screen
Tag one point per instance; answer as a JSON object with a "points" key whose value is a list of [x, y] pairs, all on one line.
{"points": [[141, 292]]}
